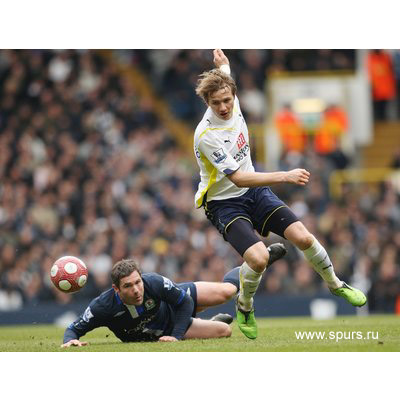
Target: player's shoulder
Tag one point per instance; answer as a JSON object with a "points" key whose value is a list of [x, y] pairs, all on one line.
{"points": [[203, 126], [104, 303], [156, 281], [151, 277]]}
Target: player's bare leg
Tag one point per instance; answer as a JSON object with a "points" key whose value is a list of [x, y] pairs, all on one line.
{"points": [[317, 256], [205, 329], [211, 294]]}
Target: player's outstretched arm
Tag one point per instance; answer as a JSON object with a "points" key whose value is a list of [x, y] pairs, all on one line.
{"points": [[74, 342], [220, 58], [296, 176], [88, 321]]}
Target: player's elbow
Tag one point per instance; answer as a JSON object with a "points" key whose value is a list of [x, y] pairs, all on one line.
{"points": [[236, 178]]}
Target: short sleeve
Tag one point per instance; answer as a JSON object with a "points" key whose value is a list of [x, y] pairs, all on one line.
{"points": [[166, 289], [216, 153]]}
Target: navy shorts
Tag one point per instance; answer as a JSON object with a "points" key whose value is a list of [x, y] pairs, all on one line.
{"points": [[191, 290], [256, 206]]}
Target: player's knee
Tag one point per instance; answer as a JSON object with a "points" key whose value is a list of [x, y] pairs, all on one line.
{"points": [[228, 331], [299, 235], [305, 241], [224, 330], [228, 292], [258, 261]]}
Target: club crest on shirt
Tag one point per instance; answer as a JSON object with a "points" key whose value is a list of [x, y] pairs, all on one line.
{"points": [[219, 155], [149, 304], [241, 141]]}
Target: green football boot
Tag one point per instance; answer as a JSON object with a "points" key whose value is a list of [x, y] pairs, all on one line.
{"points": [[246, 321], [354, 296]]}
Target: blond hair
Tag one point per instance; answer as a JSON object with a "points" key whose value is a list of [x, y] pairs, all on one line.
{"points": [[212, 81]]}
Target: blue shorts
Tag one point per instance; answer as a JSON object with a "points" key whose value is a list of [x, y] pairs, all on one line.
{"points": [[256, 205], [191, 290]]}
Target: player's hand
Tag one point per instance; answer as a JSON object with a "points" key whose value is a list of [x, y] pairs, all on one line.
{"points": [[220, 58], [167, 339], [74, 342], [297, 176]]}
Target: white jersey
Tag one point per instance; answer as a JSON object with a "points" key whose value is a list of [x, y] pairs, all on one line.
{"points": [[221, 147]]}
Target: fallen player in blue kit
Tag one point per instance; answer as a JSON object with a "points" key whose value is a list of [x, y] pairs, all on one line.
{"points": [[150, 307]]}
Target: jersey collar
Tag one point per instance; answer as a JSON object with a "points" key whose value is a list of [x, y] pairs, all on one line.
{"points": [[140, 308], [218, 121], [119, 301]]}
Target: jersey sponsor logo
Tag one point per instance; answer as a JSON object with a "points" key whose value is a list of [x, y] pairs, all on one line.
{"points": [[149, 304], [140, 326], [87, 315], [218, 156], [196, 151], [155, 332], [242, 153], [119, 313], [241, 141], [167, 283]]}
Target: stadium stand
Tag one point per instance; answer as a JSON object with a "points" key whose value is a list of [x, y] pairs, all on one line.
{"points": [[89, 167]]}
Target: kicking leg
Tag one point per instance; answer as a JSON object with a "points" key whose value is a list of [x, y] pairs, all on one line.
{"points": [[317, 256], [314, 252], [204, 329]]}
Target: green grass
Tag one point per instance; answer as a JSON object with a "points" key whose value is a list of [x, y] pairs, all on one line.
{"points": [[275, 334]]}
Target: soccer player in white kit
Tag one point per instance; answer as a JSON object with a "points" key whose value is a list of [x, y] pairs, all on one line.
{"points": [[238, 200]]}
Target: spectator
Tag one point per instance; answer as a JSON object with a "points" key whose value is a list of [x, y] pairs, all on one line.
{"points": [[396, 66], [382, 79]]}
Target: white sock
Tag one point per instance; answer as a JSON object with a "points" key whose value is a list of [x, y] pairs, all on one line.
{"points": [[319, 259], [249, 281]]}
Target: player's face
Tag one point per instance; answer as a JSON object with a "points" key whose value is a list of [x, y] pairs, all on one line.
{"points": [[131, 289], [221, 102]]}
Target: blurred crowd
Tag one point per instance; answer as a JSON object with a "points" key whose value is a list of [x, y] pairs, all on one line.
{"points": [[88, 169], [175, 72]]}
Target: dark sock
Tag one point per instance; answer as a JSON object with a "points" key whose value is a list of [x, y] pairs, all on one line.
{"points": [[233, 277]]}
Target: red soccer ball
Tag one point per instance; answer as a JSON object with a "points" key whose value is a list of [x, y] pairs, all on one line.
{"points": [[69, 274]]}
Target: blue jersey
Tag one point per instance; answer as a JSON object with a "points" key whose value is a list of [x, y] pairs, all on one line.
{"points": [[166, 311]]}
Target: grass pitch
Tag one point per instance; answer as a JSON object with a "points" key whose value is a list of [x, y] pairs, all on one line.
{"points": [[275, 334]]}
